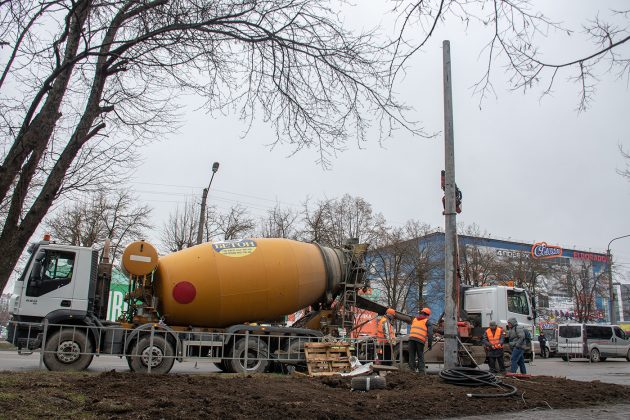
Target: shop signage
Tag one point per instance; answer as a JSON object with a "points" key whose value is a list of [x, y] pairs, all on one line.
{"points": [[541, 250]]}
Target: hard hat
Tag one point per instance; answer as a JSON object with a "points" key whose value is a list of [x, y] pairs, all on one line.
{"points": [[426, 311], [390, 311]]}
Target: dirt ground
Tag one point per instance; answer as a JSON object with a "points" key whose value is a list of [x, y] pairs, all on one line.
{"points": [[127, 395]]}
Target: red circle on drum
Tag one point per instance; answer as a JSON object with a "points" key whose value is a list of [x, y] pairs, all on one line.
{"points": [[184, 292]]}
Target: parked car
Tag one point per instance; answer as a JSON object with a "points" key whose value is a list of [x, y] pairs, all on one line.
{"points": [[596, 342]]}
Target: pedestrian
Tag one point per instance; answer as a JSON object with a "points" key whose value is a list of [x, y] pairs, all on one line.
{"points": [[517, 341], [542, 340], [421, 335], [493, 342]]}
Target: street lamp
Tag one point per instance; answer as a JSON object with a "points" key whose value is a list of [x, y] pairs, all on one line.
{"points": [[204, 197], [611, 294]]}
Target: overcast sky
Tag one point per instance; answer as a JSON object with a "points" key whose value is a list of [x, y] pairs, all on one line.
{"points": [[530, 169]]}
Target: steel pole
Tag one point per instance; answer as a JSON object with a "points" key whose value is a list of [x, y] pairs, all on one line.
{"points": [[450, 235], [202, 215], [204, 198]]}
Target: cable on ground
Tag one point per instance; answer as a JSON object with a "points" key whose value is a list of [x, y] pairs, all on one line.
{"points": [[476, 377]]}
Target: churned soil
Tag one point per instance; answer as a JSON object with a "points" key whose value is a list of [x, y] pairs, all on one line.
{"points": [[128, 395]]}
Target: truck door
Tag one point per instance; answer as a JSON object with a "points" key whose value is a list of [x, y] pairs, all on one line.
{"points": [[49, 286]]}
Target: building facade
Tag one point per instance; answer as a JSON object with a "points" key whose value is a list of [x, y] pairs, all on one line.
{"points": [[568, 284]]}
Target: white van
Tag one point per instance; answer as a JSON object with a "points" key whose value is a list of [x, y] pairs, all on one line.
{"points": [[592, 341]]}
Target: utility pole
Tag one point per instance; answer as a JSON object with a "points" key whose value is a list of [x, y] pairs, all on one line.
{"points": [[611, 290], [450, 232], [204, 197]]}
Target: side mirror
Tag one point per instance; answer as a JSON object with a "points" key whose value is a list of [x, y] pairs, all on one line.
{"points": [[38, 269]]}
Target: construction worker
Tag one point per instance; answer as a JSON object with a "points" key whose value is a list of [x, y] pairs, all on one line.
{"points": [[384, 330], [493, 342], [517, 339], [385, 334], [421, 334]]}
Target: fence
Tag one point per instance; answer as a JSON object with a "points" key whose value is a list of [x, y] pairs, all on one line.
{"points": [[154, 347]]}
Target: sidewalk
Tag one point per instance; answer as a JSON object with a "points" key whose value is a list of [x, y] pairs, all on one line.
{"points": [[608, 412]]}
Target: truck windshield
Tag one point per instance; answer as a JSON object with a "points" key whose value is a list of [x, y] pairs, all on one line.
{"points": [[517, 302]]}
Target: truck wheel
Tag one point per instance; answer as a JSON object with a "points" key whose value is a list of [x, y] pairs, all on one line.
{"points": [[595, 356], [68, 350], [257, 354], [161, 355], [565, 358]]}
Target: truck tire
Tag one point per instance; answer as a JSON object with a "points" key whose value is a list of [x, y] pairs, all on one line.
{"points": [[161, 355], [565, 357], [595, 356], [68, 350], [257, 353]]}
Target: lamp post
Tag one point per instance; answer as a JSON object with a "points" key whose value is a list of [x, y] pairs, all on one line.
{"points": [[204, 197], [611, 291]]}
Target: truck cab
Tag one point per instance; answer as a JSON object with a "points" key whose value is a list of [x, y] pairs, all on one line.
{"points": [[55, 285], [498, 303]]}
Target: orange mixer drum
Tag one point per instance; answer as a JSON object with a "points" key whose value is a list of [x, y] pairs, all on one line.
{"points": [[225, 283]]}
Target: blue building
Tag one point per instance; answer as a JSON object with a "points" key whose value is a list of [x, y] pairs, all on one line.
{"points": [[564, 281]]}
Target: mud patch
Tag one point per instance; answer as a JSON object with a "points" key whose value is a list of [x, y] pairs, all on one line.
{"points": [[127, 395]]}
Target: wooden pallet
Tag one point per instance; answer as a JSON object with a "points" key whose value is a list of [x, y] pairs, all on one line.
{"points": [[323, 359]]}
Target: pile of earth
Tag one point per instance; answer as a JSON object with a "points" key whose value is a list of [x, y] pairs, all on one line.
{"points": [[407, 395]]}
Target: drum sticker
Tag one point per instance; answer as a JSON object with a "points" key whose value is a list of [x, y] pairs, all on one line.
{"points": [[237, 248]]}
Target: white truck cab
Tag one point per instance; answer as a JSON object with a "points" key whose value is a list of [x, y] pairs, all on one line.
{"points": [[498, 303], [48, 285], [58, 285]]}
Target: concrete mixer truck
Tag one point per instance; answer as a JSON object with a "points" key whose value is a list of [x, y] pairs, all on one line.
{"points": [[214, 300]]}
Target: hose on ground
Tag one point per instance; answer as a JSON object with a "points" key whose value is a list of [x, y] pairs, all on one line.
{"points": [[475, 377]]}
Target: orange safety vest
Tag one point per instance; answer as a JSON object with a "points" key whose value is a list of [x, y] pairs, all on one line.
{"points": [[419, 329], [380, 330], [495, 339]]}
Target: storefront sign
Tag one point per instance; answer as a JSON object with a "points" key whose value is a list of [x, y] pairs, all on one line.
{"points": [[589, 256], [541, 250]]}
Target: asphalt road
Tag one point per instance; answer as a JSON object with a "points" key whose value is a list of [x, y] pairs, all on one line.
{"points": [[615, 371], [10, 360]]}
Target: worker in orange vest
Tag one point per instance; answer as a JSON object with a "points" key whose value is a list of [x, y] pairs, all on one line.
{"points": [[384, 330], [493, 339], [420, 335], [385, 334]]}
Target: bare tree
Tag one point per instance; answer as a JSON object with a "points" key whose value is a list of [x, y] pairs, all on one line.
{"points": [[180, 231], [515, 29], [334, 221], [477, 264], [424, 258], [280, 223], [624, 172], [84, 81], [401, 265], [235, 224], [391, 267], [583, 286], [106, 214]]}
